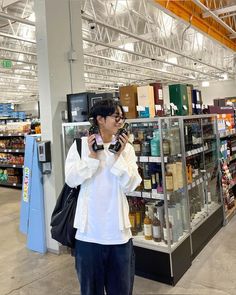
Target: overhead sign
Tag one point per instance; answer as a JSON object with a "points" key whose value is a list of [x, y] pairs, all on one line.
{"points": [[6, 63]]}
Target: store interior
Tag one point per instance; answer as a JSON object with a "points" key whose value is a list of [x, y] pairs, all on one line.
{"points": [[172, 65]]}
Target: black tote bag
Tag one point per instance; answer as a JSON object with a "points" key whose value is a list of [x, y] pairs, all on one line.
{"points": [[62, 220]]}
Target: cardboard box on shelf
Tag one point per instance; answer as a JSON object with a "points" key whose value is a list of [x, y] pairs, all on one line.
{"points": [[128, 99], [146, 99]]}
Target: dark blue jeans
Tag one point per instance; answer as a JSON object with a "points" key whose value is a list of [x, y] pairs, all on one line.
{"points": [[105, 267]]}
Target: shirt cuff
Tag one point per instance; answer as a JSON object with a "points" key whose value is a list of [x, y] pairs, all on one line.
{"points": [[119, 167], [92, 163]]}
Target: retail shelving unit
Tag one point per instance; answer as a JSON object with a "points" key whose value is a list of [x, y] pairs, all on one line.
{"points": [[228, 167], [177, 159]]}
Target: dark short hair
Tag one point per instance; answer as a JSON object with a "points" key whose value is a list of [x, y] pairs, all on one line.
{"points": [[104, 108]]}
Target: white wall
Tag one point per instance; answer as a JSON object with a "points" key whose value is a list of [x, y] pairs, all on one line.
{"points": [[29, 108], [219, 89]]}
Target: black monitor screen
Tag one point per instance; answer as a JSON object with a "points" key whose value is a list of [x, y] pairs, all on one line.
{"points": [[77, 107]]}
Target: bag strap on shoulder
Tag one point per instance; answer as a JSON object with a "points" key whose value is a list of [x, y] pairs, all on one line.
{"points": [[79, 145]]}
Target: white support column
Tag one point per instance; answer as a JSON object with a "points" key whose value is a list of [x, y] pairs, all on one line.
{"points": [[58, 37]]}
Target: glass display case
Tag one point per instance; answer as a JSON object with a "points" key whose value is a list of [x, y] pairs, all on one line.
{"points": [[177, 208]]}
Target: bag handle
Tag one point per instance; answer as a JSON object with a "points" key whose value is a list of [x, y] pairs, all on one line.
{"points": [[79, 145]]}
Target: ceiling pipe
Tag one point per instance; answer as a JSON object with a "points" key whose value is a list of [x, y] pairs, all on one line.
{"points": [[152, 58], [17, 19], [214, 16], [124, 32]]}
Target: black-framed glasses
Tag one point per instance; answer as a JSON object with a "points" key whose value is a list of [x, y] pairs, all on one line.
{"points": [[118, 118]]}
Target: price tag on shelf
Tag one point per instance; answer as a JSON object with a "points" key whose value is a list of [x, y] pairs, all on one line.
{"points": [[155, 159], [17, 151], [5, 151], [165, 159], [146, 195], [126, 109], [14, 184], [158, 107], [1, 134], [134, 194], [154, 194], [13, 166], [140, 108], [143, 159], [9, 151]]}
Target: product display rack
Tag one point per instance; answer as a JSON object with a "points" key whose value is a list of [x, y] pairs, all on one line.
{"points": [[228, 167], [170, 212], [11, 159]]}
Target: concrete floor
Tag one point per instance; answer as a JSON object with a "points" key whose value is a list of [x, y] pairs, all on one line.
{"points": [[23, 272]]}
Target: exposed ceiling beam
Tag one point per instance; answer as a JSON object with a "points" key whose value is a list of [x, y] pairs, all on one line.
{"points": [[191, 13], [129, 34], [226, 9], [214, 16], [17, 19], [152, 58], [6, 3], [18, 51], [17, 38]]}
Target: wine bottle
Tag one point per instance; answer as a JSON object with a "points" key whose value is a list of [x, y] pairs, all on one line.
{"points": [[115, 147], [156, 227], [147, 226], [98, 143]]}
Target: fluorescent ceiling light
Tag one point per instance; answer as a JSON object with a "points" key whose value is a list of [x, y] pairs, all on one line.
{"points": [[173, 60], [205, 84], [127, 46], [225, 76]]}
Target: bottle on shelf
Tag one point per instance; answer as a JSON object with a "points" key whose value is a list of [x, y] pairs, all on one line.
{"points": [[165, 232], [147, 181], [155, 144], [140, 171], [116, 145], [156, 227], [137, 145], [169, 180], [147, 226], [166, 147], [189, 173], [145, 147], [138, 215], [132, 218]]}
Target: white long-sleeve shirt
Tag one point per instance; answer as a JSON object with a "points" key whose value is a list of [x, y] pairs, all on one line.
{"points": [[102, 213]]}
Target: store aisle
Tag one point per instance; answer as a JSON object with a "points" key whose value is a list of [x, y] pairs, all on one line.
{"points": [[23, 272]]}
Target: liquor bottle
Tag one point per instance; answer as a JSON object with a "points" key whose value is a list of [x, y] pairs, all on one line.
{"points": [[138, 216], [166, 146], [145, 147], [189, 173], [165, 232], [169, 180], [154, 182], [137, 145], [156, 227], [155, 144], [147, 182], [115, 146], [147, 226], [98, 143], [132, 218], [140, 171]]}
